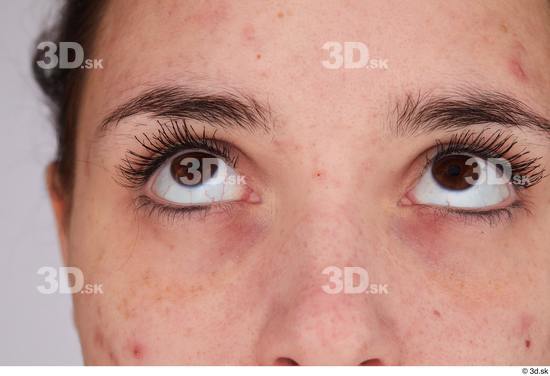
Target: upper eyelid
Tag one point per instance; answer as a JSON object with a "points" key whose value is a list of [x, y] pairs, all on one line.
{"points": [[523, 161], [164, 143]]}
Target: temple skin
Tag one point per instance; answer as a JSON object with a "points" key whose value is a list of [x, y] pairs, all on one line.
{"points": [[244, 286]]}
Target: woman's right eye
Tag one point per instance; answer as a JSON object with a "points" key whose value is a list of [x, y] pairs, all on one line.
{"points": [[459, 181], [197, 177]]}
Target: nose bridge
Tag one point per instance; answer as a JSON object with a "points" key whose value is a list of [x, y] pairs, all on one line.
{"points": [[328, 227], [323, 314]]}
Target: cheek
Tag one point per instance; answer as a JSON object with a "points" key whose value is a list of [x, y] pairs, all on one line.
{"points": [[466, 264], [201, 246], [156, 277]]}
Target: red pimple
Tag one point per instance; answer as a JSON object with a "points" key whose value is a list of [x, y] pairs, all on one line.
{"points": [[137, 351], [318, 173], [436, 313]]}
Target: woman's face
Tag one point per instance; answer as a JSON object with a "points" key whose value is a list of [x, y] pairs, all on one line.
{"points": [[342, 232]]}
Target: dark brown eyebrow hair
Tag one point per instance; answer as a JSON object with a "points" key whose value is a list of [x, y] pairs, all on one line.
{"points": [[226, 108], [467, 106]]}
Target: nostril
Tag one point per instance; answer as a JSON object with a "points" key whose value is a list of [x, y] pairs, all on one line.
{"points": [[372, 362], [285, 362]]}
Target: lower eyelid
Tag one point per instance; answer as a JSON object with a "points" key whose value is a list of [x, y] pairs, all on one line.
{"points": [[166, 213], [468, 217]]}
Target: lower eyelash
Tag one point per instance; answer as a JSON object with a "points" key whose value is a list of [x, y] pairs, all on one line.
{"points": [[491, 217], [171, 214]]}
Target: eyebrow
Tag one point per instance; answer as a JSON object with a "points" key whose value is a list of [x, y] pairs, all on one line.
{"points": [[226, 108], [426, 112]]}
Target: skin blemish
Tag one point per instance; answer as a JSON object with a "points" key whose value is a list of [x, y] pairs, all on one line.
{"points": [[515, 64], [525, 323], [517, 70], [280, 14], [258, 56], [249, 33], [98, 338], [436, 313], [137, 351]]}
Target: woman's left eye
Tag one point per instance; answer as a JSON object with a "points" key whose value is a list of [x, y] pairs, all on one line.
{"points": [[460, 181], [195, 178]]}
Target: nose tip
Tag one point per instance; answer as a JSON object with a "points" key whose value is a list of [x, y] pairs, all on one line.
{"points": [[323, 330]]}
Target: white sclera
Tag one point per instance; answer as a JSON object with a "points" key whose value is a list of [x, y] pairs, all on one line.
{"points": [[478, 196], [220, 187]]}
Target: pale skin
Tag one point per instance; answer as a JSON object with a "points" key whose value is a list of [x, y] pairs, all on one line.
{"points": [[243, 286]]}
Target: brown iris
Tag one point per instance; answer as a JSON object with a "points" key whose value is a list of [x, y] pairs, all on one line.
{"points": [[451, 172], [190, 169]]}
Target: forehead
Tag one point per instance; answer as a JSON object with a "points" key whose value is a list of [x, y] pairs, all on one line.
{"points": [[276, 48]]}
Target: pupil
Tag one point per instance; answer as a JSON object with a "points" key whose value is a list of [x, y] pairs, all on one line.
{"points": [[190, 169], [454, 170]]}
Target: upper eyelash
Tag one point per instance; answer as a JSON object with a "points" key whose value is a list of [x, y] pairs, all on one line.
{"points": [[495, 145], [172, 137]]}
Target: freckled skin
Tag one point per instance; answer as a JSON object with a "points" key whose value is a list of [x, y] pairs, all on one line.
{"points": [[245, 286]]}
